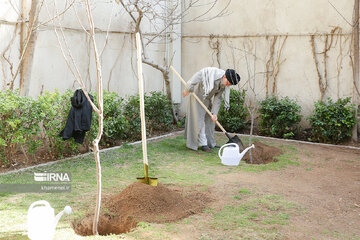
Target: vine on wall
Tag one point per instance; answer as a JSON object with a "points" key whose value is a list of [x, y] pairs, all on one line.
{"points": [[214, 44], [329, 43], [273, 64]]}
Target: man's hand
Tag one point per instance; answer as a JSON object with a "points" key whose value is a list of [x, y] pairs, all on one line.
{"points": [[214, 117], [185, 93]]}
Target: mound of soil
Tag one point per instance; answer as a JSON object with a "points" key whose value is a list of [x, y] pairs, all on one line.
{"points": [[262, 154], [142, 203]]}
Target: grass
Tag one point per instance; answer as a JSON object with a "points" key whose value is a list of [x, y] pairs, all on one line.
{"points": [[172, 163], [253, 215]]}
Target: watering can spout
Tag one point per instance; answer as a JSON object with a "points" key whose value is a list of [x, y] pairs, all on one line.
{"points": [[66, 210], [245, 151]]}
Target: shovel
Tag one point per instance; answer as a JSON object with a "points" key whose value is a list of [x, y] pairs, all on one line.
{"points": [[146, 179], [234, 139]]}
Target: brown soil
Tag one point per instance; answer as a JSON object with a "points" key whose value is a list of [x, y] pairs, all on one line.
{"points": [[143, 203], [262, 154]]}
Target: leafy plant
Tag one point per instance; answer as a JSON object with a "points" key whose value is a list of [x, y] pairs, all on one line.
{"points": [[332, 121], [19, 125], [233, 120], [158, 112], [115, 123], [54, 109], [132, 115], [279, 118]]}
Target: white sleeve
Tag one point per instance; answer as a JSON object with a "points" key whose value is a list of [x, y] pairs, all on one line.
{"points": [[195, 79], [217, 103]]}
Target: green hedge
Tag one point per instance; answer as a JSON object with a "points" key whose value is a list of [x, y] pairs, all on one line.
{"points": [[279, 117], [158, 114], [33, 125], [233, 120], [332, 122]]}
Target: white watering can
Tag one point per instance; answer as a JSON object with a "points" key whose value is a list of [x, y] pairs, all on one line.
{"points": [[41, 220], [230, 155]]}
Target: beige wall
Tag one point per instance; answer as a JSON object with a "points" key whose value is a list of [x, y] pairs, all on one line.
{"points": [[245, 36], [49, 70], [251, 27]]}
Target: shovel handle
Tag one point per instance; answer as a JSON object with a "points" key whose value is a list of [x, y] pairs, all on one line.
{"points": [[197, 98], [142, 107]]}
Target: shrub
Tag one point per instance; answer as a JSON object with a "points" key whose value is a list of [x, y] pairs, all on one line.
{"points": [[132, 115], [19, 124], [279, 118], [157, 113], [332, 121], [114, 122], [233, 120], [54, 110]]}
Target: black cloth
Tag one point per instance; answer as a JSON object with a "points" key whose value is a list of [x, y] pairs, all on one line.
{"points": [[79, 118]]}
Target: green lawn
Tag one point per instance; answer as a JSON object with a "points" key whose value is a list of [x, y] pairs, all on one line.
{"points": [[172, 163]]}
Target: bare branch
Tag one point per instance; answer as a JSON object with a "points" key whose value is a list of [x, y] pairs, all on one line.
{"points": [[340, 14], [76, 75], [60, 14], [14, 8], [108, 29], [79, 21]]}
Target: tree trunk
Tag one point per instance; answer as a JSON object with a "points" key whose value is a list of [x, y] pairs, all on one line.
{"points": [[169, 96], [27, 49], [356, 64]]}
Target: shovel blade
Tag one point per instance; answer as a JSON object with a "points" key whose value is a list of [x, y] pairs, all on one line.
{"points": [[237, 140], [150, 181]]}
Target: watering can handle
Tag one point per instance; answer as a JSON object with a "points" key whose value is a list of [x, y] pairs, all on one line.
{"points": [[225, 145], [39, 203]]}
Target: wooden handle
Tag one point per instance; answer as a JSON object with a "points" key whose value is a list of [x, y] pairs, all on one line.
{"points": [[197, 98], [142, 108]]}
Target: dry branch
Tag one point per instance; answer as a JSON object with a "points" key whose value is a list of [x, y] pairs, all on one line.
{"points": [[215, 45], [270, 63], [322, 86]]}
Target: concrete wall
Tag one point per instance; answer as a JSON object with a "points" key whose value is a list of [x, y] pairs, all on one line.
{"points": [[242, 39], [50, 72]]}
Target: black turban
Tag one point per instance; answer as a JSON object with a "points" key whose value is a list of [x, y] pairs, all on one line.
{"points": [[232, 76]]}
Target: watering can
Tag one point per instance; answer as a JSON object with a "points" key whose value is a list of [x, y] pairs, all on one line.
{"points": [[231, 155], [41, 220]]}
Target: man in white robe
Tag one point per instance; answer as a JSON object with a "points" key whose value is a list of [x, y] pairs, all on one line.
{"points": [[211, 85]]}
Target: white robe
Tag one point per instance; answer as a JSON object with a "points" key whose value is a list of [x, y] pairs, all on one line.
{"points": [[206, 84]]}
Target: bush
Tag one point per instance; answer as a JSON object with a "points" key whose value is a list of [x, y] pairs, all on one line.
{"points": [[19, 125], [114, 122], [233, 120], [29, 124], [157, 113], [279, 118], [54, 110], [132, 115], [332, 122]]}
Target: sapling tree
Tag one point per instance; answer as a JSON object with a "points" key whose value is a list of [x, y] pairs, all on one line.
{"points": [[251, 100], [73, 67]]}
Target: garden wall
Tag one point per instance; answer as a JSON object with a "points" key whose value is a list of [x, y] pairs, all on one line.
{"points": [[272, 45], [49, 70], [276, 45]]}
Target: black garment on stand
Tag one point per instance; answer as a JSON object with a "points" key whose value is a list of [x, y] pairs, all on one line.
{"points": [[79, 118]]}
